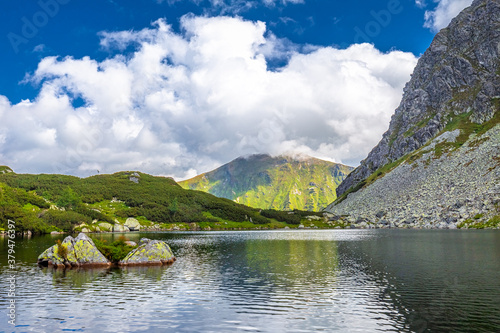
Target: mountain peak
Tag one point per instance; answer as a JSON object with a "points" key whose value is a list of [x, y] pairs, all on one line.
{"points": [[288, 181]]}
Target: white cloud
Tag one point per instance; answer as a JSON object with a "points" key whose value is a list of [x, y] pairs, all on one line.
{"points": [[184, 103], [445, 11], [40, 48]]}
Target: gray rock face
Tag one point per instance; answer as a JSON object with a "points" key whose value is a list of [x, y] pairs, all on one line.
{"points": [[457, 189], [459, 73], [150, 252]]}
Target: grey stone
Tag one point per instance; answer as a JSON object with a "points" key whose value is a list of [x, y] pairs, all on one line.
{"points": [[79, 251], [133, 224], [120, 228], [154, 252], [104, 226]]}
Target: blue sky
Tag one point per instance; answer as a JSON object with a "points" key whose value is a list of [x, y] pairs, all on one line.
{"points": [[223, 82]]}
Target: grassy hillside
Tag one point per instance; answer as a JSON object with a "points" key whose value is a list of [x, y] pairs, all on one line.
{"points": [[282, 183], [43, 203]]}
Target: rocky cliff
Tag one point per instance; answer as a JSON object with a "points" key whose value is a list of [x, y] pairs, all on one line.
{"points": [[458, 73], [438, 164]]}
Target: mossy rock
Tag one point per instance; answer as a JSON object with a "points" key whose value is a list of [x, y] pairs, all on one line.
{"points": [[152, 252], [79, 251], [104, 226], [133, 224], [120, 228]]}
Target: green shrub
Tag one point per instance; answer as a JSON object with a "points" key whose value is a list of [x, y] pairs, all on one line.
{"points": [[65, 220], [62, 250], [115, 251], [287, 217]]}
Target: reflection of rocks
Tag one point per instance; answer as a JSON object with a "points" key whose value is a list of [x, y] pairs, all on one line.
{"points": [[79, 251], [150, 252], [76, 279]]}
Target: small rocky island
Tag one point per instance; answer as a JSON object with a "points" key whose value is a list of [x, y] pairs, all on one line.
{"points": [[82, 252]]}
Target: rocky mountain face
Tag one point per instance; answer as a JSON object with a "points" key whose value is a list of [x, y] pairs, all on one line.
{"points": [[438, 164], [458, 73], [282, 182]]}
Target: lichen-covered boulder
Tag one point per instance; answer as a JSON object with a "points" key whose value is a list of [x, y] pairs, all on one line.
{"points": [[86, 253], [144, 240], [104, 226], [51, 257], [120, 228], [79, 251], [152, 252], [133, 224]]}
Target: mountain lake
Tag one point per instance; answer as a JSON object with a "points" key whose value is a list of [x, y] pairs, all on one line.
{"points": [[268, 281]]}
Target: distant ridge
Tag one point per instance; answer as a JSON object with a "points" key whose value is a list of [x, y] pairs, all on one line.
{"points": [[282, 182]]}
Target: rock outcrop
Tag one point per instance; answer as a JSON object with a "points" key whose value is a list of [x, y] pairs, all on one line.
{"points": [[79, 251], [444, 190], [459, 73], [149, 252]]}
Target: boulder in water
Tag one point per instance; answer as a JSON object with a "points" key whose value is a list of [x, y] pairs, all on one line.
{"points": [[150, 252], [79, 251]]}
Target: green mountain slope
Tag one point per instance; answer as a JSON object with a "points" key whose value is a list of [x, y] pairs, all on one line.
{"points": [[42, 203], [283, 182]]}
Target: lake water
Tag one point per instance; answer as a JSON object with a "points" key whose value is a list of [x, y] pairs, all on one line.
{"points": [[270, 281]]}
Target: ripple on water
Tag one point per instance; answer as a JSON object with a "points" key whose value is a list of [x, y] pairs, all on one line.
{"points": [[274, 281]]}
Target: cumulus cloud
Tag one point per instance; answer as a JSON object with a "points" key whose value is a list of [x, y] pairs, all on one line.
{"points": [[445, 11], [184, 103]]}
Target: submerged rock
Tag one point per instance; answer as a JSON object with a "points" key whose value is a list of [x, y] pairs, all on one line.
{"points": [[79, 251], [150, 252]]}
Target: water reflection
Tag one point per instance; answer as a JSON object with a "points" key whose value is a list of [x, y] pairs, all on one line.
{"points": [[273, 281]]}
